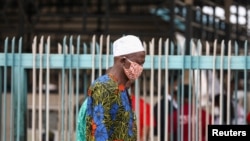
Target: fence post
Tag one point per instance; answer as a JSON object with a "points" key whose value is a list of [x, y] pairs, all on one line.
{"points": [[20, 102], [1, 78]]}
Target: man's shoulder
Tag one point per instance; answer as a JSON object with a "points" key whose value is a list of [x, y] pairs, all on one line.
{"points": [[103, 78], [104, 82]]}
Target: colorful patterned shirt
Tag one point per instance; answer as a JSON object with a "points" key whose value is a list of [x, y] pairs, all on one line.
{"points": [[109, 115]]}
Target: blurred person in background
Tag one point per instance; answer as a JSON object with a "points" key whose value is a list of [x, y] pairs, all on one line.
{"points": [[143, 117], [248, 119], [224, 109], [172, 105], [187, 119], [237, 95]]}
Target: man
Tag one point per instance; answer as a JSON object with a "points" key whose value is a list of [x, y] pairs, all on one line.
{"points": [[109, 115], [142, 105]]}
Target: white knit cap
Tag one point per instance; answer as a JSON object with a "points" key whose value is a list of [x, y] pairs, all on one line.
{"points": [[127, 45]]}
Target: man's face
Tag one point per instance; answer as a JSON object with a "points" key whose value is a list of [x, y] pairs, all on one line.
{"points": [[133, 65], [138, 57]]}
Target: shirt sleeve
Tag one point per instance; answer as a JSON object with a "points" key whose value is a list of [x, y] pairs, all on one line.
{"points": [[81, 123], [98, 119]]}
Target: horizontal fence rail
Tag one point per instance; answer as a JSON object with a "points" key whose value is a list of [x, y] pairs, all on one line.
{"points": [[175, 61], [42, 91], [69, 59]]}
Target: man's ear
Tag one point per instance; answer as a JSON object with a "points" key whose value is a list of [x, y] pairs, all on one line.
{"points": [[122, 60]]}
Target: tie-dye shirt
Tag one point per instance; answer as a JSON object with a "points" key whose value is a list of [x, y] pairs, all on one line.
{"points": [[109, 115]]}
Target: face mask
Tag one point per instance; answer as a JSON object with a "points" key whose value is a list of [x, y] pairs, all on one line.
{"points": [[134, 71]]}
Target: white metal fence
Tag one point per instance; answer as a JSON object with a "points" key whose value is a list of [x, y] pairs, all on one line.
{"points": [[42, 91]]}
